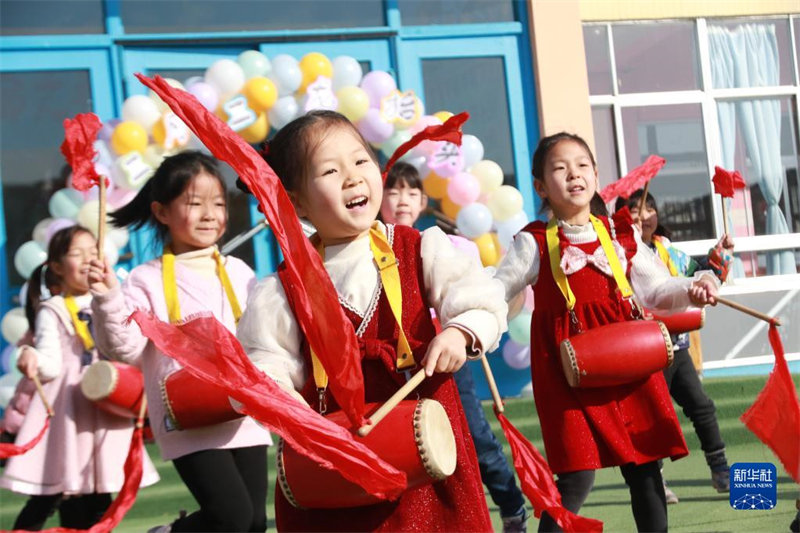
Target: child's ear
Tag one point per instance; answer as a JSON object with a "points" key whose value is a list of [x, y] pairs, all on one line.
{"points": [[55, 266], [538, 186], [424, 201], [297, 202], [159, 211]]}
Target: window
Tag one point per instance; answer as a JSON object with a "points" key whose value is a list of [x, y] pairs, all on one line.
{"points": [[23, 17], [425, 12]]}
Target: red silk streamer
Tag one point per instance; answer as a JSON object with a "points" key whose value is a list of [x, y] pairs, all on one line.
{"points": [[317, 311], [635, 179], [538, 483], [450, 131], [775, 415], [10, 450], [78, 148], [212, 353], [725, 182]]}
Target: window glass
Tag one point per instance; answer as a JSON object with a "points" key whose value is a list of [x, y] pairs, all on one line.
{"points": [[486, 103], [598, 59], [169, 16], [605, 144], [682, 188], [423, 12], [42, 17], [755, 264], [796, 22], [31, 165], [656, 56]]}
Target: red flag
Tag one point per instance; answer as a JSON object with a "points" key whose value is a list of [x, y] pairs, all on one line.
{"points": [[212, 353], [538, 483], [725, 182], [450, 131], [775, 415], [78, 148], [10, 450], [635, 179], [321, 317]]}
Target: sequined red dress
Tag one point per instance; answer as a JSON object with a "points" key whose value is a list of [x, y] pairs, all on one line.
{"points": [[594, 427], [455, 504]]}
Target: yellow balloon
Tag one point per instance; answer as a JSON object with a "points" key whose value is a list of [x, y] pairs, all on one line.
{"points": [[489, 249], [261, 93], [313, 66], [353, 102], [489, 175], [443, 115], [257, 131], [129, 136], [504, 203], [450, 208], [435, 186]]}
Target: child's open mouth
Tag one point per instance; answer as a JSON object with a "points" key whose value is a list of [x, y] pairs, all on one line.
{"points": [[358, 201]]}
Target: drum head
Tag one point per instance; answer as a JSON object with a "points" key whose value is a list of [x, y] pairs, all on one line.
{"points": [[99, 380], [435, 439]]}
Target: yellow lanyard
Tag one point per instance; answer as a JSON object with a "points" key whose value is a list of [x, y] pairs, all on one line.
{"points": [[171, 286], [390, 278], [81, 327], [663, 253], [560, 278]]}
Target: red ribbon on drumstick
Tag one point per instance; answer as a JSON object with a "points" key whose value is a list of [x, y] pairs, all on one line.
{"points": [[725, 183]]}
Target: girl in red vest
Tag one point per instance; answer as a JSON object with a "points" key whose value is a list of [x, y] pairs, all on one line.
{"points": [[334, 181], [631, 425]]}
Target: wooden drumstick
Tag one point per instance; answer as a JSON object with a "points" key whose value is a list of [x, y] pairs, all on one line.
{"points": [[498, 402], [643, 200], [749, 310], [101, 221], [142, 411], [40, 390], [391, 403]]}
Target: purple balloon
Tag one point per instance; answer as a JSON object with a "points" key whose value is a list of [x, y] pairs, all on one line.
{"points": [[107, 129], [374, 128], [377, 84], [57, 225], [205, 94], [516, 355]]}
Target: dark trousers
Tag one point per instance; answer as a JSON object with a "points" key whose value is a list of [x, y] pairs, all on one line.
{"points": [[685, 387], [495, 472], [78, 512], [644, 483], [230, 485]]}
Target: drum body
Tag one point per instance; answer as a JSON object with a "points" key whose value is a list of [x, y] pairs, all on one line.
{"points": [[115, 387], [615, 354], [192, 403], [415, 437], [684, 322]]}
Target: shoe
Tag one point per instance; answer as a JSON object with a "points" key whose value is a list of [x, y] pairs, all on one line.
{"points": [[794, 527], [672, 498], [165, 528], [516, 523], [721, 480]]}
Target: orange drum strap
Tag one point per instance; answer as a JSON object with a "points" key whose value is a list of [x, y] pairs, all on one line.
{"points": [[81, 328], [171, 286]]}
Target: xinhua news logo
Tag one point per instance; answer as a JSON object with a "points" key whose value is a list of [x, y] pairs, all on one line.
{"points": [[754, 486]]}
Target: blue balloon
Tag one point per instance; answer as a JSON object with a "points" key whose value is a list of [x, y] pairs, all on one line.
{"points": [[29, 256], [65, 203], [474, 220]]}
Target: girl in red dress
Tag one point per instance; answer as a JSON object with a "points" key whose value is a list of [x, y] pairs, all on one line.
{"points": [[334, 181], [632, 425]]}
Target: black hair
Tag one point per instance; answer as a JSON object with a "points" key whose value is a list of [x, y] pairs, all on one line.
{"points": [[403, 173], [540, 157], [59, 246], [634, 200], [169, 181]]}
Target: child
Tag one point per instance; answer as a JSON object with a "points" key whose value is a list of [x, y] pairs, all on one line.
{"points": [[403, 201], [632, 425], [223, 465], [79, 461], [333, 180], [682, 380]]}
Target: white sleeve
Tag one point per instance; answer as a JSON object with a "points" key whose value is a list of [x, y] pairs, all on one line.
{"points": [[115, 336], [270, 334], [47, 341], [520, 267], [461, 292]]}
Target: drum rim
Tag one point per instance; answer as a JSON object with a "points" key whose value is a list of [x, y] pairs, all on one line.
{"points": [[113, 383], [166, 402], [437, 474], [668, 342], [283, 482], [568, 354]]}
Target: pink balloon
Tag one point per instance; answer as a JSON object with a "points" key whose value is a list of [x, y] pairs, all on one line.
{"points": [[377, 84], [463, 188], [465, 246], [423, 122], [57, 225], [120, 197], [374, 129], [205, 94]]}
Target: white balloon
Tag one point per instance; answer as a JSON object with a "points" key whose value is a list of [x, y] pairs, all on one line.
{"points": [[283, 112], [471, 149], [119, 236], [65, 203], [8, 385], [162, 107], [89, 216], [14, 325], [346, 72], [286, 74], [510, 227], [110, 252], [27, 257], [141, 109], [226, 76], [39, 233], [254, 63]]}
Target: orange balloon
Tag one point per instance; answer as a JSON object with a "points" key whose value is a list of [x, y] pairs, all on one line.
{"points": [[450, 208], [435, 186], [489, 249]]}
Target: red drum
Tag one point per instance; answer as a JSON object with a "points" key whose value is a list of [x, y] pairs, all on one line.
{"points": [[615, 354], [115, 387], [415, 437], [690, 320], [193, 403]]}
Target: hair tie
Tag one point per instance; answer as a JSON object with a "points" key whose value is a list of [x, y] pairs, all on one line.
{"points": [[264, 151]]}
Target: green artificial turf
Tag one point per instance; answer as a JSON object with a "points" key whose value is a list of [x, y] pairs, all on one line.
{"points": [[700, 507]]}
